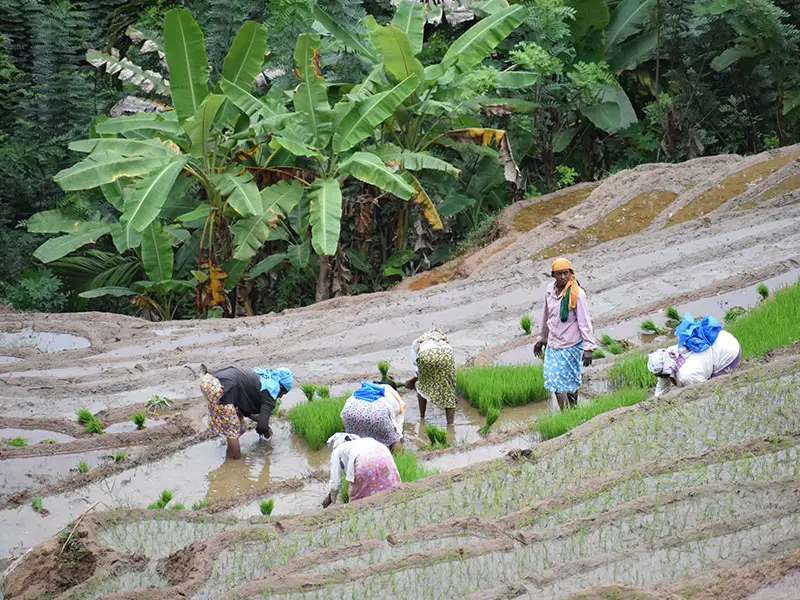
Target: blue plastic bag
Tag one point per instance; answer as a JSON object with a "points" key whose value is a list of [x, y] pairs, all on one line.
{"points": [[697, 337]]}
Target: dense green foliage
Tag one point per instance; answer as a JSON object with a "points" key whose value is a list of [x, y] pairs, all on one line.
{"points": [[630, 371], [346, 119], [774, 323], [495, 386], [409, 468]]}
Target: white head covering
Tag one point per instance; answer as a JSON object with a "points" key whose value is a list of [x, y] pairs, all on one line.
{"points": [[661, 362], [340, 438]]}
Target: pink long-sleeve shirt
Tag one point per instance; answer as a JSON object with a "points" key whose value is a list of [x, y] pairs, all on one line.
{"points": [[577, 327]]}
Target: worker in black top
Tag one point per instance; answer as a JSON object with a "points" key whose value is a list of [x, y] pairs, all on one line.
{"points": [[233, 393]]}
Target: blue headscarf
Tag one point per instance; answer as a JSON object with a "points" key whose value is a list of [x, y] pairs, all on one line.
{"points": [[273, 379], [697, 337], [369, 392]]}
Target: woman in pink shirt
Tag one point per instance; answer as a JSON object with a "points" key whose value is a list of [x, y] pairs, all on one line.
{"points": [[566, 339]]}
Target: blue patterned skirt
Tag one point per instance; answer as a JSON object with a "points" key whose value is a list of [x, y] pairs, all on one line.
{"points": [[562, 368]]}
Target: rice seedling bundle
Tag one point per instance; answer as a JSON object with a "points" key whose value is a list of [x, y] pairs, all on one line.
{"points": [[495, 386], [317, 421]]}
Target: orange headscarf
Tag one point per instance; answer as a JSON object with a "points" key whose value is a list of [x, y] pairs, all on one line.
{"points": [[570, 291]]}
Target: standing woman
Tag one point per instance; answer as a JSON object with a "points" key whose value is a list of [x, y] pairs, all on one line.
{"points": [[565, 334], [367, 465], [234, 393], [434, 373]]}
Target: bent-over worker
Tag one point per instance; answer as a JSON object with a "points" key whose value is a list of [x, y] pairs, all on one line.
{"points": [[234, 393], [367, 465], [434, 373], [375, 411], [704, 351], [566, 339]]}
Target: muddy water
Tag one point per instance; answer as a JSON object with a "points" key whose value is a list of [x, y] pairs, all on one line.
{"points": [[34, 436], [457, 460], [787, 588], [307, 499], [5, 360], [127, 426], [42, 340], [18, 474]]}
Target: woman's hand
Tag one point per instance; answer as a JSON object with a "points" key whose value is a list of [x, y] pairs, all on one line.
{"points": [[327, 502], [411, 383], [538, 349], [587, 358]]}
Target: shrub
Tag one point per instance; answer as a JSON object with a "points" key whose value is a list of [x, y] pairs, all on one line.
{"points": [[19, 442], [630, 371], [36, 503], [525, 324], [266, 506], [491, 417], [383, 368], [37, 290], [408, 467], [437, 437], [164, 499], [558, 423], [774, 323], [493, 386], [83, 467], [139, 419], [308, 390], [317, 421], [120, 456]]}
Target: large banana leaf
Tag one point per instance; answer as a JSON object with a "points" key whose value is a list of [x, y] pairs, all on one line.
{"points": [[252, 106], [614, 112], [113, 192], [395, 51], [296, 147], [631, 53], [410, 19], [166, 122], [53, 221], [414, 161], [59, 247], [269, 263], [311, 97], [157, 256], [112, 290], [479, 40], [125, 147], [129, 72], [149, 194], [125, 237], [369, 168], [591, 19], [325, 216], [306, 57], [185, 52], [516, 79], [341, 34], [241, 192], [360, 122], [249, 235], [628, 19], [244, 59], [95, 170], [200, 126], [422, 199], [279, 199]]}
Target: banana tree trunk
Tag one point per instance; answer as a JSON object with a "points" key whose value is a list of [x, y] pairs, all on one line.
{"points": [[324, 279]]}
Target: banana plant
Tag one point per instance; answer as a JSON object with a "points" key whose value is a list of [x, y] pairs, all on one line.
{"points": [[142, 162]]}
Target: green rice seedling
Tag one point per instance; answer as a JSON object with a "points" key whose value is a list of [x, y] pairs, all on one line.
{"points": [[200, 504], [409, 468], [48, 442], [156, 403], [344, 490], [266, 506], [491, 417], [120, 455], [649, 326], [319, 420], [763, 291], [558, 423], [630, 371], [323, 391], [770, 325], [95, 425], [308, 390], [525, 324], [83, 467], [139, 419], [36, 503], [734, 313], [383, 369], [164, 499], [84, 415], [495, 386], [437, 437], [18, 442], [609, 343], [598, 354], [672, 314], [177, 506]]}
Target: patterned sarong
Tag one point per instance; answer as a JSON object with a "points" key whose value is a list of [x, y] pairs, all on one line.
{"points": [[562, 368], [437, 376], [223, 419], [375, 471], [369, 419]]}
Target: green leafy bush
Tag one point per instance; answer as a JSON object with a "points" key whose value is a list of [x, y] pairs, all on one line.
{"points": [[37, 290]]}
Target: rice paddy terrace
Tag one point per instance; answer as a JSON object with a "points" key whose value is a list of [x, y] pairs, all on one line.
{"points": [[692, 495]]}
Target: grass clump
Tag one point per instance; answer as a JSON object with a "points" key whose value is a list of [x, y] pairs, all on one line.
{"points": [[177, 506], [120, 455], [734, 313], [495, 386], [598, 354], [763, 291], [673, 317], [774, 323], [164, 499], [630, 371], [611, 345], [83, 467], [36, 503], [525, 324], [18, 442], [408, 467], [558, 423], [319, 420], [649, 326], [323, 391], [266, 506], [90, 423], [200, 504], [139, 419], [437, 437], [491, 417], [308, 390]]}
